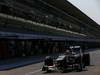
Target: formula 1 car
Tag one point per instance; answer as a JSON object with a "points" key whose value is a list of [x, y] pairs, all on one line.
{"points": [[75, 60]]}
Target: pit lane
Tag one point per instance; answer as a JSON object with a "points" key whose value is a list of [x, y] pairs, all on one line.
{"points": [[35, 69]]}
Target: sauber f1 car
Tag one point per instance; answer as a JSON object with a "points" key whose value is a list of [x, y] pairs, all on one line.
{"points": [[75, 60]]}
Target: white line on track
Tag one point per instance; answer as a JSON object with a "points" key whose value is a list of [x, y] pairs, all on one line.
{"points": [[33, 72]]}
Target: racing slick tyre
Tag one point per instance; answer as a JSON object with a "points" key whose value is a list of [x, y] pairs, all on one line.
{"points": [[43, 68], [80, 67], [47, 70], [86, 59]]}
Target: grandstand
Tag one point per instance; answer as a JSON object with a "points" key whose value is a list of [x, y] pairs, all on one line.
{"points": [[37, 11]]}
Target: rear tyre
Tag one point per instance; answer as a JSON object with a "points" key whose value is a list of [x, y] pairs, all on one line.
{"points": [[87, 59], [80, 67]]}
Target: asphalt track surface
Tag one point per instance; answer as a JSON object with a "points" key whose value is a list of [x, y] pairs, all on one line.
{"points": [[35, 69]]}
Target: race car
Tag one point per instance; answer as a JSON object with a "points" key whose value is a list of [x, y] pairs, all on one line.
{"points": [[76, 59]]}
